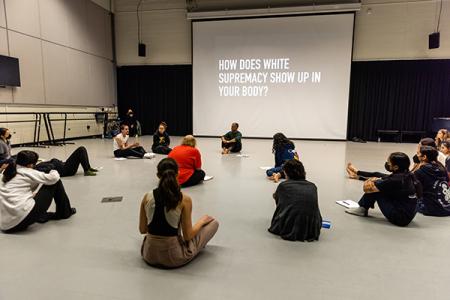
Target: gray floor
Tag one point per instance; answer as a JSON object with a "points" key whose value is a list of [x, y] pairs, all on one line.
{"points": [[95, 255]]}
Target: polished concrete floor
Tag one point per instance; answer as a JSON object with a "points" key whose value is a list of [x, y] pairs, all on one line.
{"points": [[96, 254]]}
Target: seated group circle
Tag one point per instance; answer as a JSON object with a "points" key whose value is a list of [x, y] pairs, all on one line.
{"points": [[171, 239]]}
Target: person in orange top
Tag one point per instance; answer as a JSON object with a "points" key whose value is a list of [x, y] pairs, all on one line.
{"points": [[189, 162]]}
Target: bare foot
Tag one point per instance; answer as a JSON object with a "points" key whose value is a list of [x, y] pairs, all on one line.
{"points": [[271, 177], [224, 151], [276, 177], [352, 171]]}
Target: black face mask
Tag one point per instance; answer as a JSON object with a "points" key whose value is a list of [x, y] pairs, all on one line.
{"points": [[387, 167], [9, 137]]}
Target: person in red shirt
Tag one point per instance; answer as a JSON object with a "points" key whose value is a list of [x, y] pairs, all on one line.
{"points": [[189, 162]]}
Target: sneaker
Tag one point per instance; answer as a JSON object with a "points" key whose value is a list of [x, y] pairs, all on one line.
{"points": [[93, 170], [149, 155], [90, 173], [358, 211]]}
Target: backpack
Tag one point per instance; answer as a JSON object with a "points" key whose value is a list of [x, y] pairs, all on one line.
{"points": [[442, 191]]}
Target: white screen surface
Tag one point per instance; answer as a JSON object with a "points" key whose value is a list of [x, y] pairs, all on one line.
{"points": [[284, 74]]}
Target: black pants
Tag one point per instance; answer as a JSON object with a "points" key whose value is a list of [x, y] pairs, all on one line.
{"points": [[43, 201], [161, 149], [77, 158], [395, 214], [195, 179], [233, 147], [134, 152], [362, 175]]}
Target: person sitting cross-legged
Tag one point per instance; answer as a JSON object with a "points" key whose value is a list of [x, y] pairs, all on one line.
{"points": [[122, 148], [231, 141]]}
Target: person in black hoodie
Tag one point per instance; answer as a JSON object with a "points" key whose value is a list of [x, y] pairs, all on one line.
{"points": [[70, 166], [161, 140], [435, 200]]}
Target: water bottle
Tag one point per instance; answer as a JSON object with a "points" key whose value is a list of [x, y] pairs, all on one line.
{"points": [[326, 224]]}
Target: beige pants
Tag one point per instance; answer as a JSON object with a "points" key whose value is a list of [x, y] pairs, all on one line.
{"points": [[172, 252]]}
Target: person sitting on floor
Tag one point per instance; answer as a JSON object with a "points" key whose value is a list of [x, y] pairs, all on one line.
{"points": [[22, 202], [441, 136], [445, 149], [161, 140], [231, 141], [5, 144], [354, 173], [435, 200], [297, 216], [123, 149], [162, 212], [396, 194], [70, 166], [189, 162], [283, 150]]}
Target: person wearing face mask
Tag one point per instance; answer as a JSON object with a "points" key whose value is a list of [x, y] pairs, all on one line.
{"points": [[161, 140], [131, 121], [5, 144], [434, 179], [396, 194]]}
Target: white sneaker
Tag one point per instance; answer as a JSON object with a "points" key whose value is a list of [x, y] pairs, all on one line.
{"points": [[358, 211], [149, 155]]}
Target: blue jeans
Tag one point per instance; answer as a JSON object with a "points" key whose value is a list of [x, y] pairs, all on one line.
{"points": [[270, 172]]}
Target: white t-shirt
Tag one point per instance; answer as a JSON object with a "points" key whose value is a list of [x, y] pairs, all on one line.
{"points": [[123, 139], [441, 158], [16, 196]]}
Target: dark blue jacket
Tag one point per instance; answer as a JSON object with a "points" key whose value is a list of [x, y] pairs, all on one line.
{"points": [[284, 153]]}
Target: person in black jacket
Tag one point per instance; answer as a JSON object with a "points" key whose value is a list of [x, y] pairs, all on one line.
{"points": [[435, 200], [297, 216], [70, 166], [161, 140], [131, 121]]}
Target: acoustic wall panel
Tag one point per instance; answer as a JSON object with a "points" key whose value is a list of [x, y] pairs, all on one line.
{"points": [[55, 73], [29, 52], [23, 16]]}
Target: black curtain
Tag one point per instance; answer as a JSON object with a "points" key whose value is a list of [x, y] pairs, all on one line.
{"points": [[397, 95], [157, 93]]}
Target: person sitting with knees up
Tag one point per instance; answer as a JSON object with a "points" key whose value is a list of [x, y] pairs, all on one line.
{"points": [[22, 202], [70, 166], [161, 140], [435, 200], [162, 212], [297, 216], [445, 149], [354, 173], [441, 136], [396, 194], [231, 141], [5, 144], [123, 149], [189, 162], [283, 150]]}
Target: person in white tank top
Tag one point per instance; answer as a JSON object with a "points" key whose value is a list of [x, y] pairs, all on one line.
{"points": [[122, 148]]}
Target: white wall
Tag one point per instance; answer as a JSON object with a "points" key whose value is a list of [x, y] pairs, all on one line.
{"points": [[64, 49], [393, 30], [65, 58]]}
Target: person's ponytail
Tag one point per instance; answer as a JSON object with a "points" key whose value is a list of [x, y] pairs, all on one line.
{"points": [[169, 187], [10, 172]]}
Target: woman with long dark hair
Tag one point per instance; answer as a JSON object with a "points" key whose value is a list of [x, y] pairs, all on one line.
{"points": [[396, 194], [283, 150], [297, 216], [26, 195], [435, 200], [166, 220]]}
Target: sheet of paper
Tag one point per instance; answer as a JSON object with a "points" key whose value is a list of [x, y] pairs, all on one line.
{"points": [[266, 168], [348, 203], [120, 158], [243, 155]]}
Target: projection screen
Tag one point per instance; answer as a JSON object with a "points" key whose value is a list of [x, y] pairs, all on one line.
{"points": [[281, 74]]}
